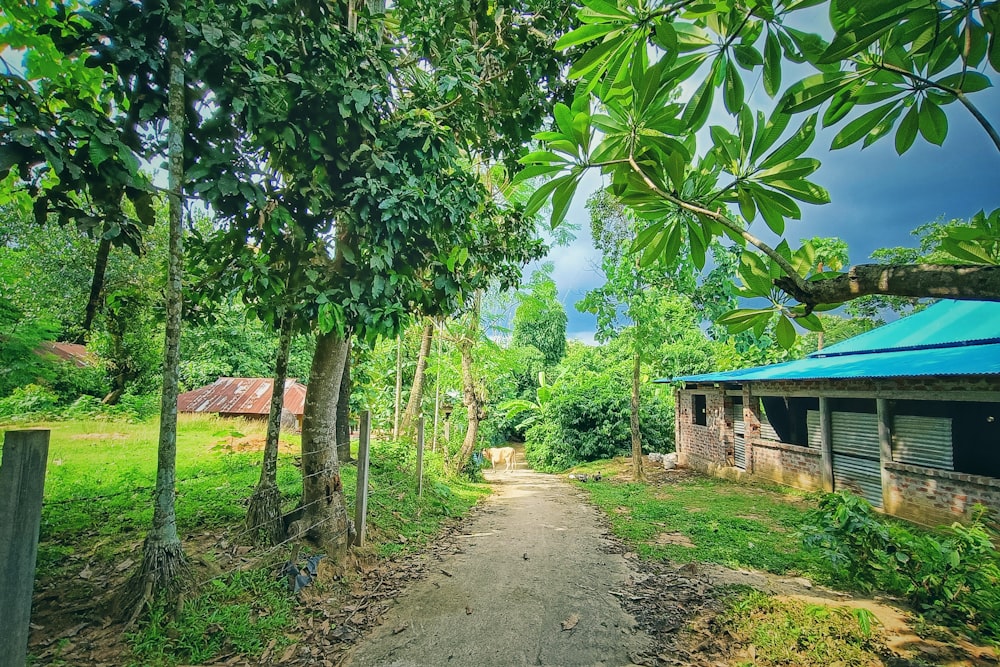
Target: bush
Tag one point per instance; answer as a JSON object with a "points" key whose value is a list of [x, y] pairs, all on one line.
{"points": [[31, 402], [587, 419], [952, 577]]}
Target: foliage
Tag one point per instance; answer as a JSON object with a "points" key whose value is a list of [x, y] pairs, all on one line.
{"points": [[586, 416], [20, 340], [793, 632], [540, 320], [952, 577], [890, 66], [29, 402]]}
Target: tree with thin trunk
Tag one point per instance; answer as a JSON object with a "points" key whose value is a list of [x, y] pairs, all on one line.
{"points": [[263, 520], [344, 414], [164, 568], [466, 337], [413, 405], [398, 395]]}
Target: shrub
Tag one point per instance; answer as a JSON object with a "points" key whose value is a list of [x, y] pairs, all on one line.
{"points": [[30, 402], [952, 577]]}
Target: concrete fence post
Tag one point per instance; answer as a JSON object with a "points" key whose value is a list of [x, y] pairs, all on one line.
{"points": [[22, 481], [361, 494]]}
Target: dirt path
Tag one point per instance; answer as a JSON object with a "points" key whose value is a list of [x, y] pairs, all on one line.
{"points": [[534, 559]]}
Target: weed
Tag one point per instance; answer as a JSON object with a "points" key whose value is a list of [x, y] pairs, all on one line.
{"points": [[791, 632]]}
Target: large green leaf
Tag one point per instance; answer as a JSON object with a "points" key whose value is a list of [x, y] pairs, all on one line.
{"points": [[933, 122], [784, 331], [794, 146], [585, 33], [861, 126], [803, 191], [772, 64], [697, 109], [813, 90]]}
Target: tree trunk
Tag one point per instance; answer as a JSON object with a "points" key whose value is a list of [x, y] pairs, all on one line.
{"points": [[344, 411], [322, 517], [437, 398], [97, 283], [399, 386], [419, 378], [637, 473], [263, 521], [164, 569], [471, 397]]}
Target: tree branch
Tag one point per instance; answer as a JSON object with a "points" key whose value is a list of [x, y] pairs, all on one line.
{"points": [[976, 113], [790, 273], [939, 281]]}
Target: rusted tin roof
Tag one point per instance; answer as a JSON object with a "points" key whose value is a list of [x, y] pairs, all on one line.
{"points": [[72, 352], [241, 396]]}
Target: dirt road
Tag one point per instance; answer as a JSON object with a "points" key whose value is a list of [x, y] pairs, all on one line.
{"points": [[535, 559]]}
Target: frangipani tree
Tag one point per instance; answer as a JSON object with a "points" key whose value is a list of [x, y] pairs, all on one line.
{"points": [[891, 67]]}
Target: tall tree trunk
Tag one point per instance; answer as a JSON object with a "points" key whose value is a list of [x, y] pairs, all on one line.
{"points": [[263, 521], [399, 386], [164, 569], [437, 398], [97, 284], [471, 396], [344, 411], [322, 518], [419, 379], [637, 473]]}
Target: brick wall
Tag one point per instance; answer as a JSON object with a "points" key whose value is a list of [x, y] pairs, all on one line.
{"points": [[935, 497], [787, 464], [698, 446]]}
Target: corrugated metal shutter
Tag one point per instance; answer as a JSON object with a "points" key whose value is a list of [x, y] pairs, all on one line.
{"points": [[767, 431], [739, 439], [856, 465], [923, 441], [812, 425], [856, 454]]}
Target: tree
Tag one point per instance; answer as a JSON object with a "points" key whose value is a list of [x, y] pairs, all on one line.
{"points": [[540, 320], [905, 61], [632, 294], [413, 405]]}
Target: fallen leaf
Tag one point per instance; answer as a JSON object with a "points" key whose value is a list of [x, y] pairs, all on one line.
{"points": [[124, 565], [399, 628], [86, 573], [289, 652], [570, 622], [468, 610]]}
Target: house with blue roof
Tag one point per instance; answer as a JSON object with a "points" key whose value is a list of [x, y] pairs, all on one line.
{"points": [[907, 415]]}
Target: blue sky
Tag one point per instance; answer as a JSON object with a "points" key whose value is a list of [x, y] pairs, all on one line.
{"points": [[878, 198]]}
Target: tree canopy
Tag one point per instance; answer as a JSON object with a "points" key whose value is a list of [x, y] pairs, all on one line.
{"points": [[890, 68]]}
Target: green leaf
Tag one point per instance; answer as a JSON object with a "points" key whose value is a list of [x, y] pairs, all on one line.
{"points": [[585, 33], [743, 319], [561, 198], [785, 332], [697, 109], [813, 90], [595, 59], [794, 146], [907, 130], [747, 57], [98, 152], [643, 238], [541, 195], [733, 91], [933, 122], [967, 82], [803, 191], [860, 126], [535, 170], [772, 65]]}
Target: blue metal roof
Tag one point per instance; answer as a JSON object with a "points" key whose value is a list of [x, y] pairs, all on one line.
{"points": [[948, 338], [944, 324]]}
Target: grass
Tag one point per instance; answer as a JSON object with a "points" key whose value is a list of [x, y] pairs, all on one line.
{"points": [[791, 632], [98, 507], [736, 525]]}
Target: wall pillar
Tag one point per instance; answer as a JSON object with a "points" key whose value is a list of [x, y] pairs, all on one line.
{"points": [[826, 444], [885, 450]]}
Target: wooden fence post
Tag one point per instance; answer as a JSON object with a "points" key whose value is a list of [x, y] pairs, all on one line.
{"points": [[22, 480], [361, 494], [420, 456], [826, 445]]}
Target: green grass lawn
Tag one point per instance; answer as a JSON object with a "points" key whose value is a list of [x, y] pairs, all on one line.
{"points": [[708, 519], [98, 507]]}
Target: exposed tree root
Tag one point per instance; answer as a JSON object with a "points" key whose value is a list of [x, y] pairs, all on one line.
{"points": [[164, 574], [264, 522]]}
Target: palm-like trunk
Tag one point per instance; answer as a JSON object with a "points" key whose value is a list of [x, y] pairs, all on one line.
{"points": [[263, 520], [344, 412], [471, 396], [637, 473], [164, 568], [419, 379], [322, 518]]}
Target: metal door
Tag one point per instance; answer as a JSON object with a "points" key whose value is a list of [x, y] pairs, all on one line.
{"points": [[739, 436]]}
